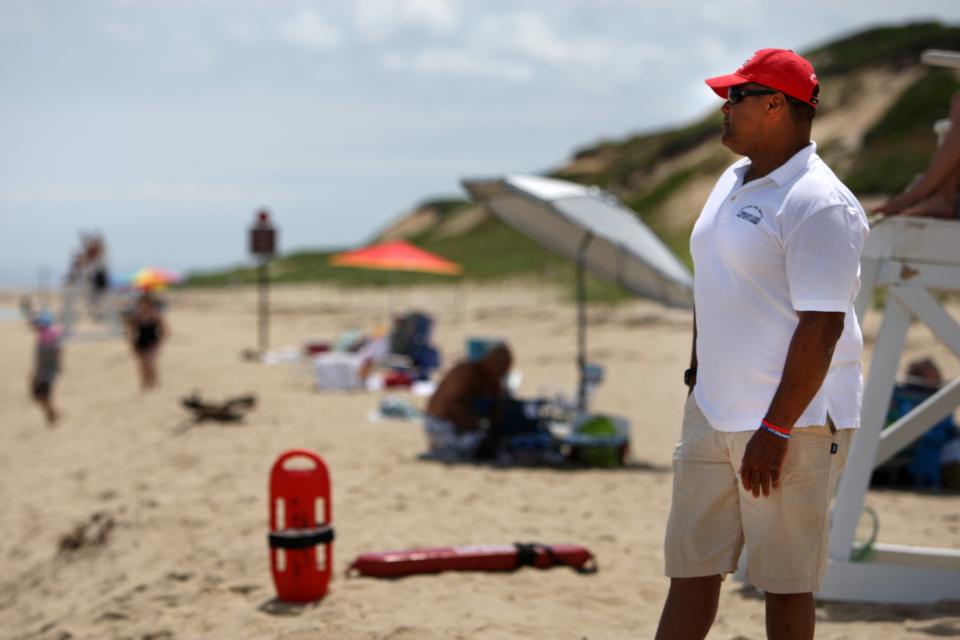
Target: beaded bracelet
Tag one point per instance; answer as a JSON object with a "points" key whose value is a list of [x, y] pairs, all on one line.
{"points": [[780, 432]]}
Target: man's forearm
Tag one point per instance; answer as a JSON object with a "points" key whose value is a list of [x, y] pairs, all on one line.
{"points": [[693, 347], [690, 375], [806, 366]]}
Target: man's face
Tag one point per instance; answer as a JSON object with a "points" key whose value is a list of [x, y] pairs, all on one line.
{"points": [[743, 118]]}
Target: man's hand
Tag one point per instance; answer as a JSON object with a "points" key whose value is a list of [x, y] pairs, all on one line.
{"points": [[762, 461], [808, 360]]}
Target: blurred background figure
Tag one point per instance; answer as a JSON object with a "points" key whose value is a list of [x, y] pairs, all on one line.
{"points": [[72, 286], [920, 465], [924, 379], [95, 267], [454, 427], [88, 278], [147, 330], [46, 362]]}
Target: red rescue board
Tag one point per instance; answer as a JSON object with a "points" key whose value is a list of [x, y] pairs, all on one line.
{"points": [[504, 557]]}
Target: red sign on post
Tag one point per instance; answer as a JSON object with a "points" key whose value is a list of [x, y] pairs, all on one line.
{"points": [[263, 236], [263, 244]]}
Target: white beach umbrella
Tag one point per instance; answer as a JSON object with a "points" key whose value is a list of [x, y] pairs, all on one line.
{"points": [[593, 228]]}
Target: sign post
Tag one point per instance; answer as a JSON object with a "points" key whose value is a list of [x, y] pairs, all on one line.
{"points": [[263, 243]]}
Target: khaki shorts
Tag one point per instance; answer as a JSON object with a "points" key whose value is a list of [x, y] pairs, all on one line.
{"points": [[711, 515]]}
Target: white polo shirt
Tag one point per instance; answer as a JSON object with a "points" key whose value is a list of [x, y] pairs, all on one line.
{"points": [[762, 251]]}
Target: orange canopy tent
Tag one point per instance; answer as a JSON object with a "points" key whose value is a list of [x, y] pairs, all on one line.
{"points": [[396, 255], [151, 279]]}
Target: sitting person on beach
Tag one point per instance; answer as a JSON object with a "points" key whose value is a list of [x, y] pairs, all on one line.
{"points": [[46, 361], [923, 379], [453, 425], [935, 193], [147, 330]]}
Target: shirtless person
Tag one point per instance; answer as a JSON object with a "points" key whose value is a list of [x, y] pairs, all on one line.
{"points": [[453, 427]]}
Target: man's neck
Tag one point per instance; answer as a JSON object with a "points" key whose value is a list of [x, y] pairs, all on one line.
{"points": [[772, 158]]}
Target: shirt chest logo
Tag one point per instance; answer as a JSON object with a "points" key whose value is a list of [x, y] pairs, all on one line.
{"points": [[751, 214]]}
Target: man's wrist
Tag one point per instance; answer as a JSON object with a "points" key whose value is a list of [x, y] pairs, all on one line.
{"points": [[780, 432]]}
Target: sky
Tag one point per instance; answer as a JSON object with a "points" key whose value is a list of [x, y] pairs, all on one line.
{"points": [[166, 124]]}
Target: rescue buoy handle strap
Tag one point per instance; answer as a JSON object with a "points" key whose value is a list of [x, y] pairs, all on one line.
{"points": [[527, 553], [301, 538], [527, 557]]}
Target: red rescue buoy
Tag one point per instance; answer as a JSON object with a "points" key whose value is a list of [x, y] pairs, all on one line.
{"points": [[501, 557], [300, 520]]}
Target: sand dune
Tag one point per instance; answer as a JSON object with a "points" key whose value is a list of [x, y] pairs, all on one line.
{"points": [[175, 518]]}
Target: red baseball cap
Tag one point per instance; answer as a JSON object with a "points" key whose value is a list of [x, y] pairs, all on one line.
{"points": [[778, 69]]}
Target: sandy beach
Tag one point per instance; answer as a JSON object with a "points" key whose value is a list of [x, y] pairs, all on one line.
{"points": [[186, 555]]}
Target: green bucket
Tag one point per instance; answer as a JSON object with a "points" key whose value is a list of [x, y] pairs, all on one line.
{"points": [[604, 454]]}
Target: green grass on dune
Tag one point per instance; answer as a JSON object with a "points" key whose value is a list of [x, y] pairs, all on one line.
{"points": [[313, 266], [492, 252], [896, 46], [923, 102], [639, 154], [901, 143]]}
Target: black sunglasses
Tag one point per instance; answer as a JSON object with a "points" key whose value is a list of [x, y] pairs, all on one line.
{"points": [[737, 93]]}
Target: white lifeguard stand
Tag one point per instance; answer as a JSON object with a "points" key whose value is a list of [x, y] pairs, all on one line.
{"points": [[909, 257]]}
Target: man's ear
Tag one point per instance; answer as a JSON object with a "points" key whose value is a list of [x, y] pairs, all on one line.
{"points": [[776, 104]]}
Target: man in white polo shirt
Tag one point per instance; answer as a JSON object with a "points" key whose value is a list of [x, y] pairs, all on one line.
{"points": [[775, 373]]}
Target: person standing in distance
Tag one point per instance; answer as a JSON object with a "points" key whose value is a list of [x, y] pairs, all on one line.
{"points": [[147, 330], [775, 378]]}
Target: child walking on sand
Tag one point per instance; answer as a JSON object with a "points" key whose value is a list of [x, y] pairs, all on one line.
{"points": [[46, 361]]}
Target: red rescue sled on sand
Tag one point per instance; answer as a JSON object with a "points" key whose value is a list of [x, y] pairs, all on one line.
{"points": [[504, 557], [300, 521]]}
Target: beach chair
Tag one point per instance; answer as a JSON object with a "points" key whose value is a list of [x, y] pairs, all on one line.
{"points": [[410, 345]]}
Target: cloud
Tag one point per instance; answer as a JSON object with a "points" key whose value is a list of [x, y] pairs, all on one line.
{"points": [[182, 48], [525, 34], [519, 46], [20, 16], [378, 20], [458, 62], [167, 192], [243, 32], [308, 29], [123, 31], [528, 35]]}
